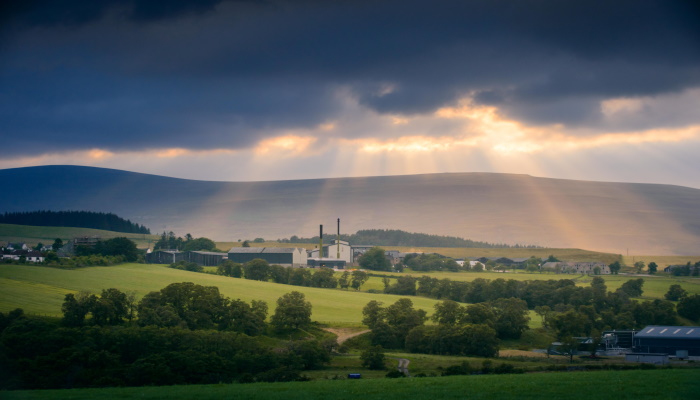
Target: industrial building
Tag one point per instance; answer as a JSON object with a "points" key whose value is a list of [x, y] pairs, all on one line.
{"points": [[205, 258], [337, 249], [334, 263], [285, 256], [679, 341], [164, 257]]}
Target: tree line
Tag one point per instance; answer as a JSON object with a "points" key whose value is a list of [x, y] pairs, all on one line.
{"points": [[169, 241], [395, 237], [76, 219], [183, 334], [260, 270], [603, 309]]}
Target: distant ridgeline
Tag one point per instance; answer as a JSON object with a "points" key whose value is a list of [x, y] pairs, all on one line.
{"points": [[75, 219], [394, 237]]}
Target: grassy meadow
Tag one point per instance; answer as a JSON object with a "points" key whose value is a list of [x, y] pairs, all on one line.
{"points": [[601, 385], [47, 234], [40, 290]]}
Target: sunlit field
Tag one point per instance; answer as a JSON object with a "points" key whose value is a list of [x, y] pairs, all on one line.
{"points": [[31, 235], [40, 290]]}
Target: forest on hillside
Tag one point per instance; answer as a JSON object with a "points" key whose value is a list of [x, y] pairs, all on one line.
{"points": [[395, 237], [75, 219]]}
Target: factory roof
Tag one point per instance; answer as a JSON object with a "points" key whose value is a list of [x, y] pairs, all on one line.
{"points": [[680, 332], [266, 250]]}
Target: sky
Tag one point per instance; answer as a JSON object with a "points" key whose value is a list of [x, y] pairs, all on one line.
{"points": [[245, 90]]}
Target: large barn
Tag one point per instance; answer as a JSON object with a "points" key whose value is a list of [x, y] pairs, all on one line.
{"points": [[285, 256], [673, 340]]}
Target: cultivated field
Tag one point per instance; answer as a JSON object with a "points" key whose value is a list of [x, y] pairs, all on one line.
{"points": [[599, 385]]}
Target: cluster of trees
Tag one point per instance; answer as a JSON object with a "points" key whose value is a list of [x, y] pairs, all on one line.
{"points": [[688, 306], [458, 330], [117, 247], [40, 355], [395, 237], [603, 309], [185, 305], [77, 219], [171, 242], [182, 334], [260, 270], [430, 262]]}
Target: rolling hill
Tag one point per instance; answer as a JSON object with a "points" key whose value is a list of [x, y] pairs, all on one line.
{"points": [[506, 208]]}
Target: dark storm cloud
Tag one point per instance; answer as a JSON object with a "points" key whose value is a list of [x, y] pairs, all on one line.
{"points": [[134, 74]]}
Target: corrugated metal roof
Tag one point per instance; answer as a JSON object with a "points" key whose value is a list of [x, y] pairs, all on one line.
{"points": [[246, 250], [209, 253], [680, 332], [279, 250]]}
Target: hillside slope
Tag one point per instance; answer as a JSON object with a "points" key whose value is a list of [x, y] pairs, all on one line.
{"points": [[603, 216]]}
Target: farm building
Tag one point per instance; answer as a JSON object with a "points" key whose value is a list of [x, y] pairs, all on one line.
{"points": [[164, 257], [674, 340], [205, 258], [286, 256], [588, 268]]}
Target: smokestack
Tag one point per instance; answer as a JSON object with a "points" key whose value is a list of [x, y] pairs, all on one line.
{"points": [[320, 242], [338, 241]]}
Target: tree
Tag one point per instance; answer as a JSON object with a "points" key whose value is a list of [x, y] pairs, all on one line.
{"points": [[358, 279], [199, 244], [569, 346], [57, 244], [324, 278], [372, 314], [689, 307], [448, 312], [615, 267], [652, 267], [76, 308], [402, 317], [279, 274], [511, 317], [639, 266], [118, 246], [374, 358], [375, 259], [633, 287], [245, 244], [257, 269], [344, 280], [111, 308], [183, 304], [675, 293], [292, 312], [227, 268]]}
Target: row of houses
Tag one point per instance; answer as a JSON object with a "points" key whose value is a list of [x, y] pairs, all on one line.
{"points": [[19, 251]]}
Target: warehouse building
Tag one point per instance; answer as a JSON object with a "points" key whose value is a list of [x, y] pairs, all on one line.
{"points": [[164, 257], [679, 341], [285, 256], [205, 258]]}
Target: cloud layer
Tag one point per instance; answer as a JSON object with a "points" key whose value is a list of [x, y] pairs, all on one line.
{"points": [[320, 79]]}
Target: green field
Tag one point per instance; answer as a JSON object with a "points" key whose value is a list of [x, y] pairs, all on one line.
{"points": [[47, 234], [600, 385], [40, 290]]}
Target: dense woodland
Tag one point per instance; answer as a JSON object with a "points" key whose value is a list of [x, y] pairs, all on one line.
{"points": [[182, 334], [395, 237], [75, 219]]}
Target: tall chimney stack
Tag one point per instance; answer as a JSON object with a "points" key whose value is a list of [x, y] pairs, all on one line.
{"points": [[338, 241], [320, 242]]}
